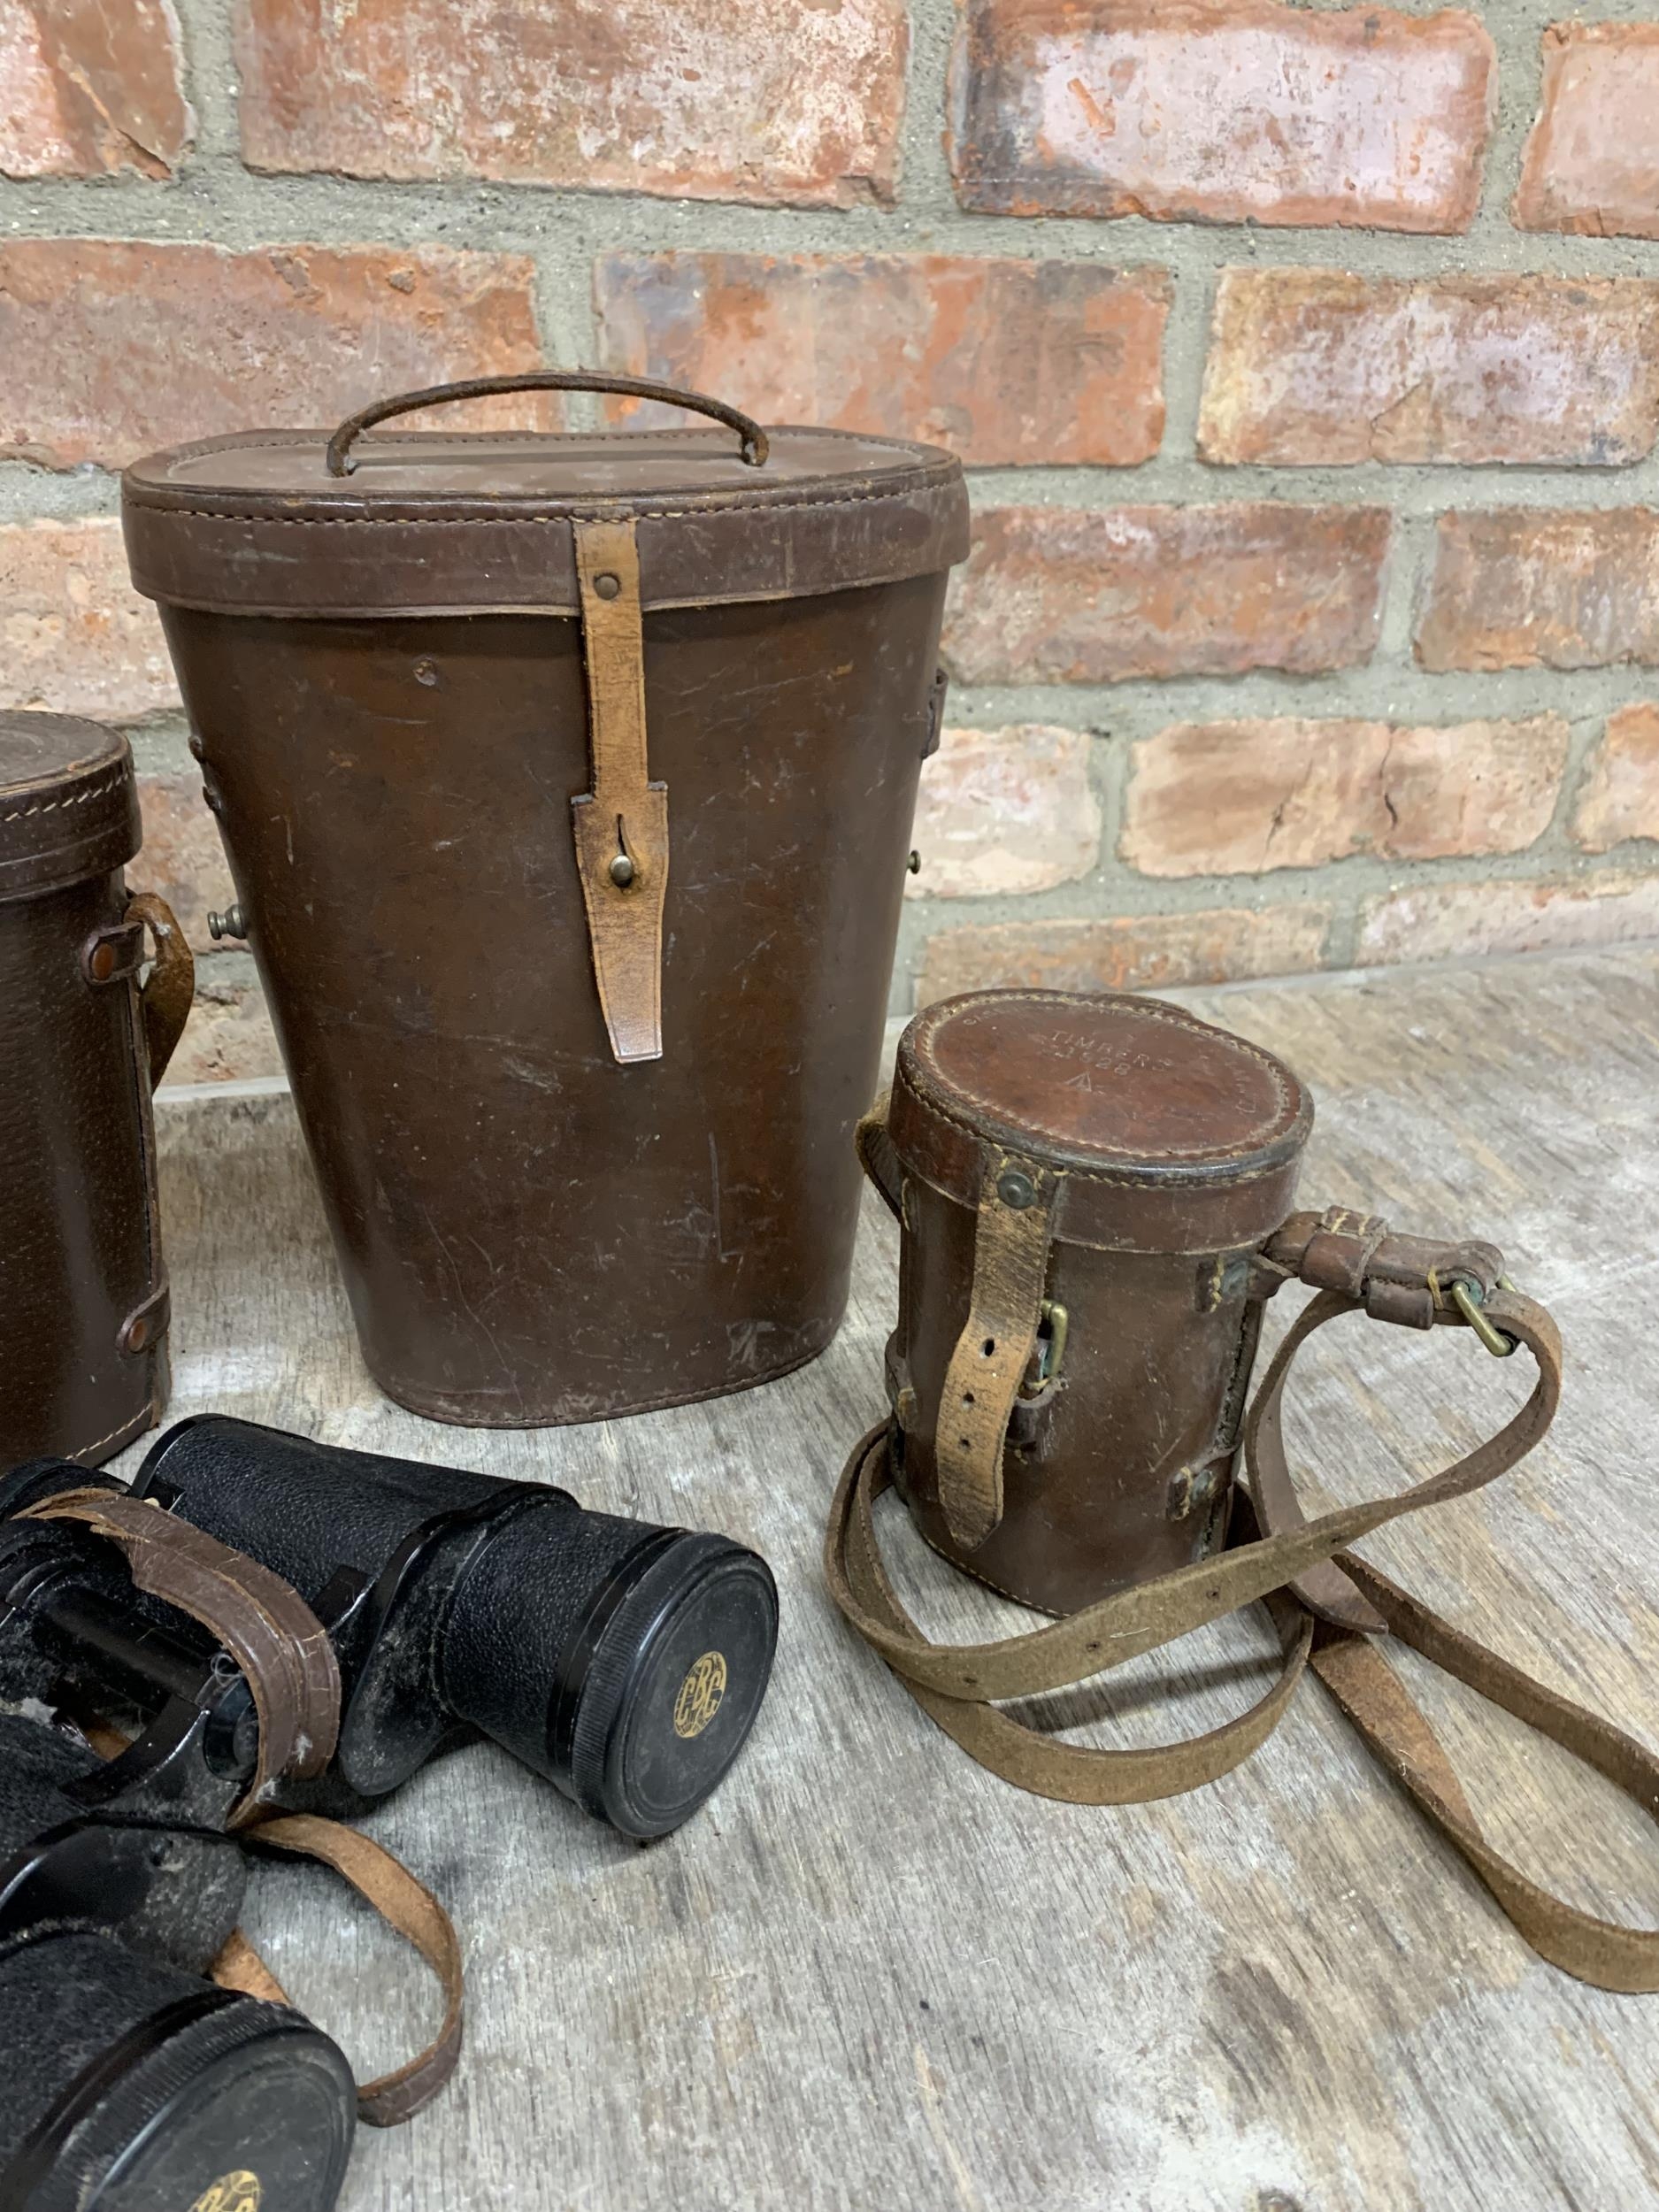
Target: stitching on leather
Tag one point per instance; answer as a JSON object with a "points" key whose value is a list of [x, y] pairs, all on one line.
{"points": [[1131, 1178], [133, 1421], [52, 806], [525, 522], [1172, 1017], [297, 441]]}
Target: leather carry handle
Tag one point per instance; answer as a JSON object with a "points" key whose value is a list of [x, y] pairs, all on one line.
{"points": [[955, 1684], [169, 989], [754, 446]]}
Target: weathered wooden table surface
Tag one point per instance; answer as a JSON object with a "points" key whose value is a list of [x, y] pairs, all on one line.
{"points": [[869, 1975]]}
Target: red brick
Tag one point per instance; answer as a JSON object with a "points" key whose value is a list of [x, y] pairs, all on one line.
{"points": [[1238, 798], [1526, 588], [796, 102], [1620, 794], [113, 348], [1591, 163], [90, 86], [1131, 952], [1002, 361], [75, 636], [1056, 594], [1315, 366], [1005, 811], [1237, 111], [1441, 921], [228, 1038], [182, 857]]}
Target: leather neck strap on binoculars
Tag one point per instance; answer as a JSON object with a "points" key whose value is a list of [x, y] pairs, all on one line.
{"points": [[957, 1684], [386, 1885], [294, 1677], [281, 1646]]}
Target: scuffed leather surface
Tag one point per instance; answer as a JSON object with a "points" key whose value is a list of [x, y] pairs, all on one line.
{"points": [[76, 1253], [428, 522], [529, 1232], [1173, 1134]]}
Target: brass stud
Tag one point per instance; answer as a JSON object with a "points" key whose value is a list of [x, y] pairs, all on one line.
{"points": [[622, 871], [607, 586]]}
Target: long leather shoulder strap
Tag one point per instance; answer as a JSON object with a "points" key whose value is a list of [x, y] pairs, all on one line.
{"points": [[955, 1684]]}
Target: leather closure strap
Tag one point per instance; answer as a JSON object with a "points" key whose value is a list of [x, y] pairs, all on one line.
{"points": [[169, 989], [621, 825], [1013, 1228], [113, 953], [263, 1622], [1401, 1279]]}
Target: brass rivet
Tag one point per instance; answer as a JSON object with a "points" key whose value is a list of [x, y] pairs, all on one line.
{"points": [[1016, 1190], [426, 672], [914, 864], [622, 871], [607, 586], [103, 963], [138, 1336]]}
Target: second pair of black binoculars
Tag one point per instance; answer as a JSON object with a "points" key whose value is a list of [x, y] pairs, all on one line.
{"points": [[626, 1663], [131, 2083]]}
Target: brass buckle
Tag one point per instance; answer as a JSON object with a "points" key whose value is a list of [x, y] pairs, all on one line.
{"points": [[1467, 1296], [1053, 1326]]}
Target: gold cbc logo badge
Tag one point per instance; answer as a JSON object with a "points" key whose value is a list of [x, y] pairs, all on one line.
{"points": [[232, 2192], [700, 1694]]}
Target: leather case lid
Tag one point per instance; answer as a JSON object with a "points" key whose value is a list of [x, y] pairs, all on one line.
{"points": [[68, 808], [436, 523], [1173, 1135]]}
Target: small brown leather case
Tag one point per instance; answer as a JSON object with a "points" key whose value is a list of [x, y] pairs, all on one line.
{"points": [[83, 1293], [1083, 1183]]}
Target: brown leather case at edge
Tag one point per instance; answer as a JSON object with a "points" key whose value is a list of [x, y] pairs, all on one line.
{"points": [[94, 987]]}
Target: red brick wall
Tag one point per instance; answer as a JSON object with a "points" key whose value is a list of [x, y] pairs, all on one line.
{"points": [[1306, 360]]}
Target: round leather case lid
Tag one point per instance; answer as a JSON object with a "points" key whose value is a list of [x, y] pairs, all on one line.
{"points": [[68, 807], [1172, 1134], [435, 521]]}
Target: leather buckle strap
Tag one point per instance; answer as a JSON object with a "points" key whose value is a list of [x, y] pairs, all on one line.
{"points": [[1012, 1231], [957, 1684], [621, 825], [1408, 1280]]}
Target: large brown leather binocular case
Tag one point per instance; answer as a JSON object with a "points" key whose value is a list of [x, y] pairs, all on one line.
{"points": [[1096, 1201], [567, 784], [94, 987]]}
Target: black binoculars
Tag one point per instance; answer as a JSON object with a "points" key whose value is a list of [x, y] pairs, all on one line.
{"points": [[133, 2084], [626, 1663]]}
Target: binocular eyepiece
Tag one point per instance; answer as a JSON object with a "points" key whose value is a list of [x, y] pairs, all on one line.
{"points": [[131, 2081], [625, 1663]]}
